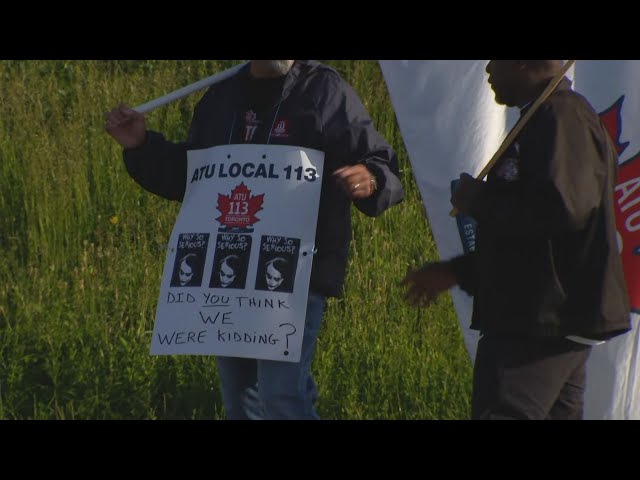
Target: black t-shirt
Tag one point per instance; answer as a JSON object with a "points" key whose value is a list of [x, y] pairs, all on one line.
{"points": [[253, 123], [263, 92]]}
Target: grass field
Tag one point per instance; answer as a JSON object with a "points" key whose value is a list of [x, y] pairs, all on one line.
{"points": [[82, 250]]}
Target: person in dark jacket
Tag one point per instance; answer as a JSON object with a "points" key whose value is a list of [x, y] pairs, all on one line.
{"points": [[546, 274], [280, 102]]}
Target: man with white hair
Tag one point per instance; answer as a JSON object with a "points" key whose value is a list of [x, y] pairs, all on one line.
{"points": [[282, 102]]}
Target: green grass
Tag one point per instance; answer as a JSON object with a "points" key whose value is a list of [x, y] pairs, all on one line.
{"points": [[81, 252]]}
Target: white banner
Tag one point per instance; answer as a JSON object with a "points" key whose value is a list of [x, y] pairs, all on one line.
{"points": [[613, 88], [450, 124], [237, 270]]}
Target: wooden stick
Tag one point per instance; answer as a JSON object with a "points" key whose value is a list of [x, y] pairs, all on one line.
{"points": [[520, 125]]}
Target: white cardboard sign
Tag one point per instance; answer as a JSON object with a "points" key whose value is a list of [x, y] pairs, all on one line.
{"points": [[238, 264]]}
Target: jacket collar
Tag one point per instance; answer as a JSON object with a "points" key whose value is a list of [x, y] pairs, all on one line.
{"points": [[564, 84]]}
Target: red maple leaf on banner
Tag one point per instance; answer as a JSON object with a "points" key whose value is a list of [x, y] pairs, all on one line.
{"points": [[612, 120], [239, 208]]}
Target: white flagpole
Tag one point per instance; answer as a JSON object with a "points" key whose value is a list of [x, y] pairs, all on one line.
{"points": [[189, 89]]}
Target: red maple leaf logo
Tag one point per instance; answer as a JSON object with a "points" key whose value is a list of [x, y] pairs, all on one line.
{"points": [[612, 120], [627, 199], [239, 209]]}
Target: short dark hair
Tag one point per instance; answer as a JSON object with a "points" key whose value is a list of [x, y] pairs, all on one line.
{"points": [[192, 260], [279, 264], [233, 261], [543, 64]]}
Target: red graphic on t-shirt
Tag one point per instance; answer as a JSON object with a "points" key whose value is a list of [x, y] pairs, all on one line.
{"points": [[280, 128]]}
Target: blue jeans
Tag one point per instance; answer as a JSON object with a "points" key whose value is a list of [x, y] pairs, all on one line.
{"points": [[272, 390]]}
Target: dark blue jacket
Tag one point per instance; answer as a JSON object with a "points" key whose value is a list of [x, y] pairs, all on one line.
{"points": [[320, 111]]}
